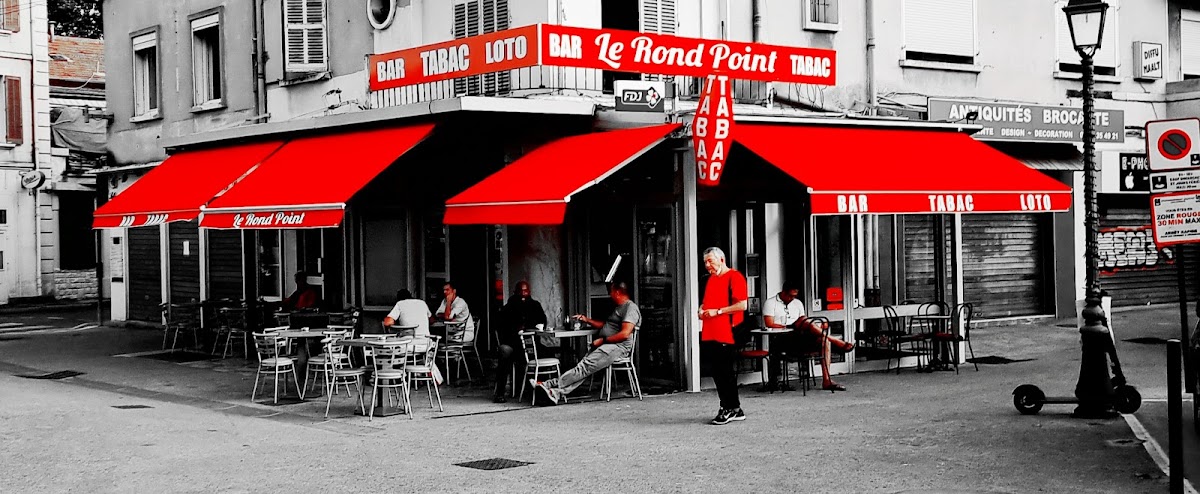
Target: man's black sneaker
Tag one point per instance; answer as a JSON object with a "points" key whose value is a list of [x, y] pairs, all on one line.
{"points": [[722, 417], [737, 415], [500, 398]]}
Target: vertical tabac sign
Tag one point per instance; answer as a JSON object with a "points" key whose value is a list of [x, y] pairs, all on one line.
{"points": [[712, 129]]}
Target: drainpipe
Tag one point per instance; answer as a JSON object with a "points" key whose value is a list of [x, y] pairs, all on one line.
{"points": [[260, 74], [33, 149], [872, 92], [756, 9]]}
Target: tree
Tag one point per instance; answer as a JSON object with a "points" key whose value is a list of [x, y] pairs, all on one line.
{"points": [[79, 18]]}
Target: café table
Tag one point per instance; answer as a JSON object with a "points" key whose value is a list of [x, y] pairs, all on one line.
{"points": [[570, 334], [766, 333], [302, 353]]}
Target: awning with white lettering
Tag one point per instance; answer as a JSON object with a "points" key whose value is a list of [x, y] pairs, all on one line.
{"points": [[535, 189], [856, 170], [307, 183], [176, 189]]}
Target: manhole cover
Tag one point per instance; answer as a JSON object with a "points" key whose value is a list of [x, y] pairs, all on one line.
{"points": [[178, 356], [995, 360], [1147, 340], [56, 375], [131, 407], [494, 464]]}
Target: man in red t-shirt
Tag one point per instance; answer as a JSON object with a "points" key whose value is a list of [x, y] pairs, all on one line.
{"points": [[722, 309]]}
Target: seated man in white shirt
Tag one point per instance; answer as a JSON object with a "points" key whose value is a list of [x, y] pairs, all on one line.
{"points": [[785, 310], [460, 326], [408, 312]]}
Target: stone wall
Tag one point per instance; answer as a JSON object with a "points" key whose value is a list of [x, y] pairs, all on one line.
{"points": [[77, 284]]}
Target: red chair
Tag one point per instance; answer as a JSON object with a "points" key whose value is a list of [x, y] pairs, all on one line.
{"points": [[833, 299]]}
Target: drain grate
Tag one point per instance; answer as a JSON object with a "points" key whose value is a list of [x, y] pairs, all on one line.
{"points": [[494, 464], [55, 375], [1147, 340], [131, 407], [995, 360]]}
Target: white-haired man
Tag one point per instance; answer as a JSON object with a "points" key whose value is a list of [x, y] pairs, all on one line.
{"points": [[721, 309]]}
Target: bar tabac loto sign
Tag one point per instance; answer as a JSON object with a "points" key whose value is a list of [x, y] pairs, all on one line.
{"points": [[1028, 123], [605, 49]]}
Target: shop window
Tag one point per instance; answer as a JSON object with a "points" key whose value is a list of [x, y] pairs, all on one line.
{"points": [[821, 15], [305, 44], [206, 61], [1189, 43], [473, 18], [1105, 59], [939, 31], [145, 75], [270, 266]]}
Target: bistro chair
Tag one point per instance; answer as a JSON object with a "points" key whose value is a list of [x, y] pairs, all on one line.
{"points": [[388, 360], [231, 324], [896, 333], [624, 364], [180, 317], [535, 367], [423, 368], [958, 333], [340, 373], [459, 342], [808, 360], [753, 350], [267, 345], [319, 364]]}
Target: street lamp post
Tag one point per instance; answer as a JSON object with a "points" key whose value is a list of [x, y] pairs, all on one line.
{"points": [[1094, 390]]}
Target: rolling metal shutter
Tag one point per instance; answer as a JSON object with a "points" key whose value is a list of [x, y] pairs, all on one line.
{"points": [[184, 269], [920, 270], [1132, 269], [943, 27], [1189, 41], [1004, 264], [224, 264], [145, 274]]}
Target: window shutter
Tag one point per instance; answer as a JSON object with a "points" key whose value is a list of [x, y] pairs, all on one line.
{"points": [[15, 131], [943, 27], [12, 15], [467, 23], [658, 16], [495, 18], [305, 43], [1106, 56], [1189, 41]]}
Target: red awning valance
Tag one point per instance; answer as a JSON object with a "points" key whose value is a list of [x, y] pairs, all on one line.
{"points": [[535, 189], [306, 183], [853, 170], [176, 189]]}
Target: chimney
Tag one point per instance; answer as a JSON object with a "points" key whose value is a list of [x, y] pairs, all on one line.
{"points": [[52, 25]]}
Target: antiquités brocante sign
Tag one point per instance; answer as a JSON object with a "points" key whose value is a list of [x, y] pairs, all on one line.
{"points": [[1029, 123]]}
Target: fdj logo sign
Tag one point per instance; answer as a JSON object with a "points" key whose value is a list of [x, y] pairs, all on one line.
{"points": [[640, 96]]}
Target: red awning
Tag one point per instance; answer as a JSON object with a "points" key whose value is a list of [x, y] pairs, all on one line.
{"points": [[902, 171], [535, 189], [176, 189], [307, 183]]}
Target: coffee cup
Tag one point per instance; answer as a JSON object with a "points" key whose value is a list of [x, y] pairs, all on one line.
{"points": [[540, 327]]}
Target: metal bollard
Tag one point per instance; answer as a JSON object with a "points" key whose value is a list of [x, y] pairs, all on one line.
{"points": [[1175, 415]]}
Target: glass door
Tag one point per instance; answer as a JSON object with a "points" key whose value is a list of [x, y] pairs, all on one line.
{"points": [[657, 356], [831, 293]]}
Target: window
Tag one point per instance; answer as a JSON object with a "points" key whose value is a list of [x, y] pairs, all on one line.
{"points": [[658, 16], [11, 21], [3, 216], [305, 45], [1189, 43], [821, 15], [145, 75], [14, 123], [472, 18], [1106, 57], [206, 61], [76, 240], [939, 30]]}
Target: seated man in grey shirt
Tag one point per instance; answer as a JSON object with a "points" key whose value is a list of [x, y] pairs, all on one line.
{"points": [[613, 342]]}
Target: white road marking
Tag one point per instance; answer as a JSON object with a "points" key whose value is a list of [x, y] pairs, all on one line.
{"points": [[1156, 451]]}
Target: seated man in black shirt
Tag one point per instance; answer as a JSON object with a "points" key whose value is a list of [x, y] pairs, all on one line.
{"points": [[521, 313]]}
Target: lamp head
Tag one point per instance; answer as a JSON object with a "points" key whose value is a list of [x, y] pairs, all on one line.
{"points": [[1085, 19]]}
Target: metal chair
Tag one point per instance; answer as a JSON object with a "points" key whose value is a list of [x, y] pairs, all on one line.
{"points": [[231, 324], [389, 360], [180, 317], [960, 332], [535, 367], [459, 342], [423, 367], [267, 345], [897, 333], [808, 360], [624, 364], [340, 373], [319, 364]]}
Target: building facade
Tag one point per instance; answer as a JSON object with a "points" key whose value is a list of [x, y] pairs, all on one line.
{"points": [[299, 73]]}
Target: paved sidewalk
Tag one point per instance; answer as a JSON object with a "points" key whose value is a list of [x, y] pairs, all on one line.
{"points": [[889, 433]]}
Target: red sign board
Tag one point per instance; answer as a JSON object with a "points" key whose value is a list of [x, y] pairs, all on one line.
{"points": [[272, 220], [606, 49], [483, 54], [921, 202], [712, 129]]}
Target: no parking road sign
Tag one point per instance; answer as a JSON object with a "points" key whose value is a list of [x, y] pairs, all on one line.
{"points": [[1173, 144]]}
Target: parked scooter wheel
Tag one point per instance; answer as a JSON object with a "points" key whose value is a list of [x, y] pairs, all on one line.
{"points": [[1028, 399], [1126, 399]]}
